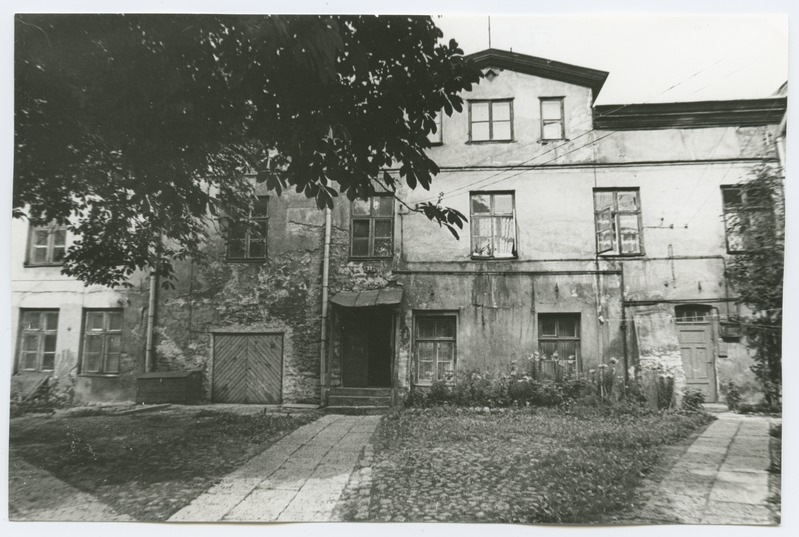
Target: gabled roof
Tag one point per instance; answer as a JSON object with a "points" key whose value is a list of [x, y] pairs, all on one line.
{"points": [[738, 113], [531, 65]]}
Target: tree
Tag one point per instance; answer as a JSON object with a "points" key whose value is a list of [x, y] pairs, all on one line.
{"points": [[131, 127], [757, 272]]}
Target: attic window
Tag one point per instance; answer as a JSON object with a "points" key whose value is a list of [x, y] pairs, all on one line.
{"points": [[491, 120], [490, 75]]}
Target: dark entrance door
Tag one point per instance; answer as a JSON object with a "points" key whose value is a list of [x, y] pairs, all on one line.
{"points": [[367, 347]]}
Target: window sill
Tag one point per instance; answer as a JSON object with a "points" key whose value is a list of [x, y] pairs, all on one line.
{"points": [[509, 258], [352, 259], [477, 142], [545, 141], [37, 265], [99, 375], [620, 255], [249, 261]]}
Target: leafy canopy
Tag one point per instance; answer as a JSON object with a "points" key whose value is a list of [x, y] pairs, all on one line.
{"points": [[131, 127]]}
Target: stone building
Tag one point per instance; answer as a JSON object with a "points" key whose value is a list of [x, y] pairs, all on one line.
{"points": [[596, 235]]}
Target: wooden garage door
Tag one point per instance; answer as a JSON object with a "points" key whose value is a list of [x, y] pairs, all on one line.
{"points": [[247, 368]]}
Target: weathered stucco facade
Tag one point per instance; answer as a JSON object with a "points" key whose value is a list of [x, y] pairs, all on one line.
{"points": [[606, 240]]}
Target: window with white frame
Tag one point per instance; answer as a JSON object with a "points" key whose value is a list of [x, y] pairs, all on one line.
{"points": [[102, 341], [38, 334], [617, 217], [558, 345], [491, 120], [434, 343], [552, 124], [372, 227], [47, 245], [493, 225], [246, 239]]}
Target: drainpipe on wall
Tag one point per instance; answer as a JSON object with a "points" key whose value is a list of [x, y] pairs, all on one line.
{"points": [[323, 332], [148, 352]]}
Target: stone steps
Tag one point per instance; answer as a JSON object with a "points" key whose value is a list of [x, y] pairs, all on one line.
{"points": [[358, 400]]}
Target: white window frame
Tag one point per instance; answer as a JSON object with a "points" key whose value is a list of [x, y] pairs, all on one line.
{"points": [[423, 316], [40, 334], [105, 332], [51, 249], [607, 223], [495, 217]]}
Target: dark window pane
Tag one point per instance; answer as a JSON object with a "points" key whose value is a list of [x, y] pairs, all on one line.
{"points": [[567, 327], [360, 247], [257, 249], [481, 204], [426, 371], [58, 255], [383, 228], [31, 320], [445, 327], [115, 321], [259, 209], [49, 343], [91, 363], [236, 248], [30, 343], [112, 363], [48, 361], [426, 327], [94, 321], [51, 321], [41, 236], [732, 197], [113, 343], [59, 237], [40, 255], [360, 228], [94, 344], [27, 360], [548, 327]]}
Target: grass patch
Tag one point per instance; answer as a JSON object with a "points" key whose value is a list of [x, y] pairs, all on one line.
{"points": [[575, 465], [148, 465]]}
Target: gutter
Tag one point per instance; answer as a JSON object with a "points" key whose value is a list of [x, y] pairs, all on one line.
{"points": [[325, 292]]}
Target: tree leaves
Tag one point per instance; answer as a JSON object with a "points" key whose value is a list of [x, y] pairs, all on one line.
{"points": [[168, 108]]}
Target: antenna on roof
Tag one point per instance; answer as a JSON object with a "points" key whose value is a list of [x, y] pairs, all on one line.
{"points": [[489, 31]]}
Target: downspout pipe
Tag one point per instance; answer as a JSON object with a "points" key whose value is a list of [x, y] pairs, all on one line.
{"points": [[151, 305], [325, 292]]}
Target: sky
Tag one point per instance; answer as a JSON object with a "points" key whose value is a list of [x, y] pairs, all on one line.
{"points": [[650, 58]]}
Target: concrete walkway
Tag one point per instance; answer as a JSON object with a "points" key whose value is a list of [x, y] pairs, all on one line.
{"points": [[300, 478], [721, 479]]}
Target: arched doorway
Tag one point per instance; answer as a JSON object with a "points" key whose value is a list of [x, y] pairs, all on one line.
{"points": [[695, 329]]}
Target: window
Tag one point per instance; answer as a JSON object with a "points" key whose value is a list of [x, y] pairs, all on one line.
{"points": [[372, 227], [552, 118], [693, 314], [493, 225], [437, 138], [247, 238], [47, 245], [617, 214], [490, 121], [39, 329], [434, 343], [748, 217], [102, 341], [558, 344]]}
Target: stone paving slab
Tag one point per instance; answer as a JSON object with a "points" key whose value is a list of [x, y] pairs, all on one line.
{"points": [[721, 478], [299, 479]]}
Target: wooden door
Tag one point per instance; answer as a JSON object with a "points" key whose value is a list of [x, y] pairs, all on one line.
{"points": [[698, 358], [247, 368], [355, 366]]}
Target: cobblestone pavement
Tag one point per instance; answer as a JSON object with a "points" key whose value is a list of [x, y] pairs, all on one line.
{"points": [[722, 478], [299, 479], [38, 495]]}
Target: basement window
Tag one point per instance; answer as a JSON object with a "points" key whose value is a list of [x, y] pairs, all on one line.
{"points": [[558, 345], [102, 341], [39, 330]]}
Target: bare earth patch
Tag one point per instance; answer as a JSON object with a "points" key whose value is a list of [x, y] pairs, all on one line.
{"points": [[143, 466]]}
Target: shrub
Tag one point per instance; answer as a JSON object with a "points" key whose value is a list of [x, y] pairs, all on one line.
{"points": [[692, 400], [733, 396], [665, 390]]}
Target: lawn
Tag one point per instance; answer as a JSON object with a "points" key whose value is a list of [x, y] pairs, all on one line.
{"points": [[147, 465], [578, 465]]}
